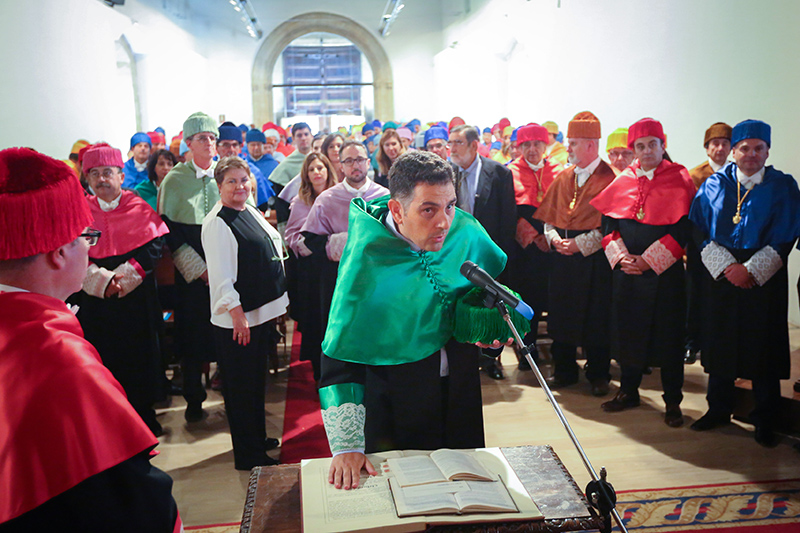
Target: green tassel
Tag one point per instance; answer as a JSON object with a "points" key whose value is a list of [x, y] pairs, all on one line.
{"points": [[476, 323]]}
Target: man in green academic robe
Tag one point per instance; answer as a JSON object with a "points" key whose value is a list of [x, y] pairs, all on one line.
{"points": [[392, 375]]}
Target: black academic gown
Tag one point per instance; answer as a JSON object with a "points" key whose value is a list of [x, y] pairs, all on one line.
{"points": [[648, 311]]}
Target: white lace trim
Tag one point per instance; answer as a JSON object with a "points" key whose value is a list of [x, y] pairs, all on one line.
{"points": [[189, 263], [335, 246], [96, 280], [615, 250], [550, 234], [764, 264], [344, 425], [716, 259], [589, 242], [131, 278], [659, 257]]}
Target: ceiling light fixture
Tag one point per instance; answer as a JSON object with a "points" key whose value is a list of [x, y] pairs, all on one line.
{"points": [[390, 12], [251, 20]]}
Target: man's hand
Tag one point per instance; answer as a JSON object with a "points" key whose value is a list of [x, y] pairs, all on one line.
{"points": [[346, 468], [633, 264], [738, 275], [114, 286], [566, 246], [495, 344]]}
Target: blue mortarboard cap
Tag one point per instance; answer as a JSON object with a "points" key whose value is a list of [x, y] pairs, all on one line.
{"points": [[497, 145], [487, 130], [243, 128], [255, 136], [140, 137], [160, 130], [513, 137], [751, 129], [435, 132], [229, 133]]}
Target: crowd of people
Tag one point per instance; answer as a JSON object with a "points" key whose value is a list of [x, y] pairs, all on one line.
{"points": [[632, 258]]}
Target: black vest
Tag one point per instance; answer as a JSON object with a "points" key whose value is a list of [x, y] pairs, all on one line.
{"points": [[259, 274]]}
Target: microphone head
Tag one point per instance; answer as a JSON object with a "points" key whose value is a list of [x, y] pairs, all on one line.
{"points": [[466, 268]]}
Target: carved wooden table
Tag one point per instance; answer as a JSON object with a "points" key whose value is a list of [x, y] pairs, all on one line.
{"points": [[273, 497]]}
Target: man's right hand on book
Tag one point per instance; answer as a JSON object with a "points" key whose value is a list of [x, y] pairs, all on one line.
{"points": [[346, 468]]}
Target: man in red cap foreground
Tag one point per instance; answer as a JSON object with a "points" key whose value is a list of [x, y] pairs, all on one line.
{"points": [[580, 280], [646, 230], [73, 452]]}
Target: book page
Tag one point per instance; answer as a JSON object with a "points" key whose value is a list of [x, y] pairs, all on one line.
{"points": [[371, 498], [486, 496], [455, 464], [434, 498], [415, 470]]}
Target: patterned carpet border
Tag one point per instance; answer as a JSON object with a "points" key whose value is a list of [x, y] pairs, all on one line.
{"points": [[773, 505]]}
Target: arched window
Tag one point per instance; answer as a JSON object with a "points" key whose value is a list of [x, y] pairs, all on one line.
{"points": [[321, 76]]}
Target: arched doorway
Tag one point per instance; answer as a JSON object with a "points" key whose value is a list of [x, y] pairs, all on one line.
{"points": [[284, 34]]}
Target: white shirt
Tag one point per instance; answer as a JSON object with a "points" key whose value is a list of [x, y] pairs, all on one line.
{"points": [[715, 167], [109, 206], [444, 366], [750, 181], [648, 174], [199, 172], [140, 166], [358, 193], [11, 288], [584, 173], [471, 174], [535, 167], [222, 253]]}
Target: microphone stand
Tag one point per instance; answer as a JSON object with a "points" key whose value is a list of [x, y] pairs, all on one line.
{"points": [[599, 492]]}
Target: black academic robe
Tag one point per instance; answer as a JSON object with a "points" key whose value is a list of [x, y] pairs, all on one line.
{"points": [[125, 331], [648, 311], [579, 297], [530, 267]]}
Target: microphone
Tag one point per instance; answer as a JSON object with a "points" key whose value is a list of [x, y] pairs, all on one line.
{"points": [[482, 279]]}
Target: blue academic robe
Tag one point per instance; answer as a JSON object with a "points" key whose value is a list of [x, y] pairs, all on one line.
{"points": [[132, 176]]}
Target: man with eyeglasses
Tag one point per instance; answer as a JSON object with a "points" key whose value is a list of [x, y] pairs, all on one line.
{"points": [[228, 144], [325, 229], [136, 167], [186, 196], [74, 450], [119, 307], [290, 167], [485, 189]]}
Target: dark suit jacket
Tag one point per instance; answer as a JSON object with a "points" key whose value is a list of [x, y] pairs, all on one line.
{"points": [[495, 204]]}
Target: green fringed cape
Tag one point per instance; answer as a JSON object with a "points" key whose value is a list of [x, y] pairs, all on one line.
{"points": [[393, 305], [477, 323], [188, 199]]}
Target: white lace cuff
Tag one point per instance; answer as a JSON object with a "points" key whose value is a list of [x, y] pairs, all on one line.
{"points": [[615, 249], [344, 425], [133, 274], [589, 242], [662, 254], [96, 280], [764, 264], [550, 234], [189, 263], [716, 258], [335, 246]]}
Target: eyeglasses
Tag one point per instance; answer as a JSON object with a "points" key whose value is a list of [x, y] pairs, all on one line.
{"points": [[349, 162], [91, 236], [456, 142], [108, 172], [205, 139], [229, 144]]}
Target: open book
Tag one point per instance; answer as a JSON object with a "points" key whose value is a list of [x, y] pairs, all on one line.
{"points": [[440, 466], [455, 497]]}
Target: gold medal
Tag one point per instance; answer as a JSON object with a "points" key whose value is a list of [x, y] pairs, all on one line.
{"points": [[737, 218], [640, 214], [572, 204], [539, 196]]}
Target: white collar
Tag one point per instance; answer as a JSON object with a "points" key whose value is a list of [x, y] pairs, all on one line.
{"points": [[11, 288], [352, 190], [534, 167], [648, 174], [200, 173], [109, 206], [139, 166], [715, 167], [750, 181], [584, 173], [393, 228]]}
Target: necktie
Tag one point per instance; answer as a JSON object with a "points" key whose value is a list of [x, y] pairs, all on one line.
{"points": [[463, 191]]}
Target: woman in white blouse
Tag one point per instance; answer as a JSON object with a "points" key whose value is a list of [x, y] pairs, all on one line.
{"points": [[244, 255]]}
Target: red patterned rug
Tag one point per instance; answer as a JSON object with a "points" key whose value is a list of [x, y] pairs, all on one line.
{"points": [[757, 507], [303, 433]]}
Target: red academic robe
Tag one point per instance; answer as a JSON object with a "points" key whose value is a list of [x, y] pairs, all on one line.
{"points": [[64, 419]]}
